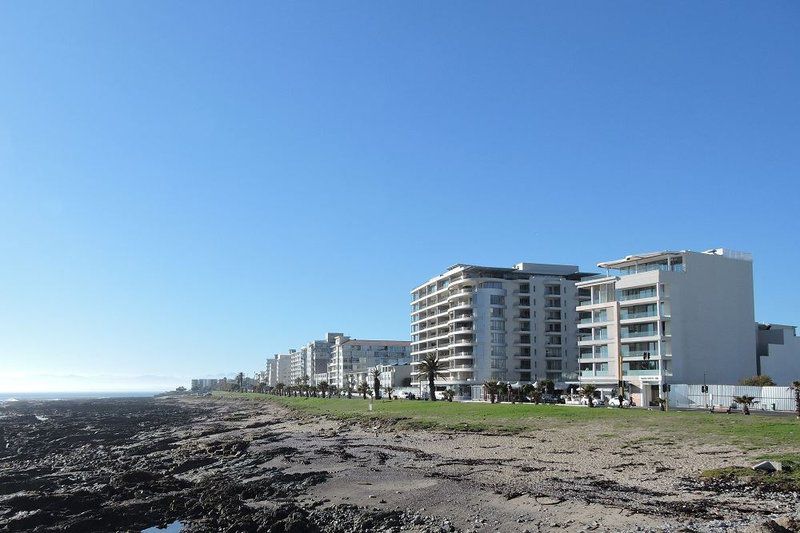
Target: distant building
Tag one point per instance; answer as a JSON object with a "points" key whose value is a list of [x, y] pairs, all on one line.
{"points": [[283, 370], [667, 317], [205, 385], [778, 353], [271, 372], [318, 356], [351, 358], [395, 375]]}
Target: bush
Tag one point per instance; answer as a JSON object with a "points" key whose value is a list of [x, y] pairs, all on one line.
{"points": [[758, 381]]}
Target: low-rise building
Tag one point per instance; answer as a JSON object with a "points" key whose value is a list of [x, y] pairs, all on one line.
{"points": [[778, 353]]}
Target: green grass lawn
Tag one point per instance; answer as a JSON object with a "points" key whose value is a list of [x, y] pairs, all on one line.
{"points": [[754, 432]]}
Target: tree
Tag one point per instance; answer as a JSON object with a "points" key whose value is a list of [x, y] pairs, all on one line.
{"points": [[431, 367], [502, 390], [548, 385], [587, 391], [279, 388], [305, 380], [389, 391], [333, 391], [795, 386], [758, 381], [240, 379], [746, 402], [349, 388], [528, 391], [376, 382], [323, 387], [363, 389], [492, 388], [449, 394]]}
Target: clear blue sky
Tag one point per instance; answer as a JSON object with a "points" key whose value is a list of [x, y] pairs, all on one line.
{"points": [[187, 188]]}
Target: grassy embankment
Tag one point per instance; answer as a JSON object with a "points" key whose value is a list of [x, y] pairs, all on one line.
{"points": [[755, 432]]}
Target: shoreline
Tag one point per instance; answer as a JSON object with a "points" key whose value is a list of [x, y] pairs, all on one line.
{"points": [[218, 463]]}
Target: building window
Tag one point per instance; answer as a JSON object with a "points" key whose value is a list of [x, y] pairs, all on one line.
{"points": [[498, 312], [491, 285], [498, 325], [498, 338]]}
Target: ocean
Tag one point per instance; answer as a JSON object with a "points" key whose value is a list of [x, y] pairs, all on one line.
{"points": [[53, 396]]}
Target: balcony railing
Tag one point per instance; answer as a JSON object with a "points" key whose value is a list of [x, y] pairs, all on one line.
{"points": [[648, 293]]}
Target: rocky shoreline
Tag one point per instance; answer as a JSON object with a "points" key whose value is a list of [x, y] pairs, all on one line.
{"points": [[233, 465]]}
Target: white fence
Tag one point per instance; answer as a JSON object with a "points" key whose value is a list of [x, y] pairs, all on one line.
{"points": [[767, 398]]}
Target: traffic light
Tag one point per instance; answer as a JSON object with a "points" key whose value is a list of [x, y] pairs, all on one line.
{"points": [[704, 389], [665, 387]]}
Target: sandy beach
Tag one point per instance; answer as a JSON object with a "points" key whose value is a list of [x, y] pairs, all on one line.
{"points": [[233, 465]]}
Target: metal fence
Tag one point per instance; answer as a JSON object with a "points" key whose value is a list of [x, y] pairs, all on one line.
{"points": [[766, 398]]}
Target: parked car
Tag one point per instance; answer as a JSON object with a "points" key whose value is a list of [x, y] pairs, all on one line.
{"points": [[549, 398], [614, 402], [598, 402]]}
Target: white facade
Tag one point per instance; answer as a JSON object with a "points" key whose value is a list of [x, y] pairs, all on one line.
{"points": [[283, 362], [297, 365], [509, 324], [271, 372], [778, 353], [318, 356], [351, 358], [668, 317]]}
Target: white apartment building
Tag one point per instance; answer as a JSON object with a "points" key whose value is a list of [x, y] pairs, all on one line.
{"points": [[297, 365], [283, 362], [351, 358], [318, 356], [778, 353], [271, 371], [667, 317], [509, 324]]}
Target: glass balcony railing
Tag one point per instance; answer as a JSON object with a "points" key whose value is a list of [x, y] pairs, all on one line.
{"points": [[638, 295], [640, 314], [635, 334]]}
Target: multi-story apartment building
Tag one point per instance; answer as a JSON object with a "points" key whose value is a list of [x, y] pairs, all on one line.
{"points": [[318, 356], [350, 358], [283, 368], [297, 365], [271, 371], [667, 317], [509, 324]]}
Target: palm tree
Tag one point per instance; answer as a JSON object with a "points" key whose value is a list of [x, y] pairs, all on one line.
{"points": [[363, 389], [746, 402], [502, 390], [349, 388], [333, 390], [587, 391], [240, 379], [279, 387], [431, 367], [376, 382], [389, 391], [528, 391], [795, 386], [491, 387], [323, 387], [305, 379]]}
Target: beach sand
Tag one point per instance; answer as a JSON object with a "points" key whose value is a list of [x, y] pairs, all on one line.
{"points": [[234, 465]]}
